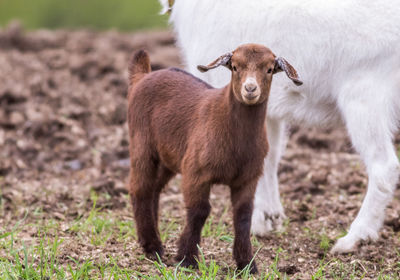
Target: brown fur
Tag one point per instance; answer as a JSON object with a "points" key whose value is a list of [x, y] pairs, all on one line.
{"points": [[139, 66], [180, 124]]}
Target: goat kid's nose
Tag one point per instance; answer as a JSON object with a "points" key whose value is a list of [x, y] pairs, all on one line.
{"points": [[250, 87]]}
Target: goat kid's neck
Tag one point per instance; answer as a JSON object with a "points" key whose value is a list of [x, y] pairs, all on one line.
{"points": [[240, 115]]}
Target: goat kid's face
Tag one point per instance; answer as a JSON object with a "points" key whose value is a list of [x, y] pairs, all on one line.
{"points": [[252, 69]]}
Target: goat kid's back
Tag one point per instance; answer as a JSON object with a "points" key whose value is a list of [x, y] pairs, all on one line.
{"points": [[162, 107]]}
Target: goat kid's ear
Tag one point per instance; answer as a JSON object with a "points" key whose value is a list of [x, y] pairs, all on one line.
{"points": [[224, 60], [282, 65]]}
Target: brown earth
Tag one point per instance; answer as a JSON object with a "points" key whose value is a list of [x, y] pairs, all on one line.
{"points": [[63, 136]]}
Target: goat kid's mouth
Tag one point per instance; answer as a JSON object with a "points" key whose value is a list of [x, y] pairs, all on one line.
{"points": [[250, 98], [250, 91]]}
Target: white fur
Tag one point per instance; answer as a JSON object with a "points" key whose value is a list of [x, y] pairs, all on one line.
{"points": [[164, 5], [347, 53]]}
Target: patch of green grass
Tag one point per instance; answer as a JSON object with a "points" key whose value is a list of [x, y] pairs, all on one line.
{"points": [[167, 227], [342, 234], [325, 242], [100, 227], [126, 230], [45, 253], [124, 15], [320, 271], [398, 255], [216, 228], [341, 270], [284, 229], [255, 242], [227, 238], [314, 213], [307, 231], [1, 198], [41, 260], [34, 262], [41, 263], [207, 270], [337, 269], [275, 273]]}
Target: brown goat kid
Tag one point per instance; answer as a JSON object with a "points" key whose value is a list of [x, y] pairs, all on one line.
{"points": [[180, 124]]}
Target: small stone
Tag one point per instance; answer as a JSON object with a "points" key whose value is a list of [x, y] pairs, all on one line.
{"points": [[103, 184], [59, 216], [16, 118], [74, 164], [2, 137], [384, 235], [289, 269], [354, 190], [124, 163]]}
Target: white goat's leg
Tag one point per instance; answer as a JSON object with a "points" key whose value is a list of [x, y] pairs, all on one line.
{"points": [[369, 124], [268, 212]]}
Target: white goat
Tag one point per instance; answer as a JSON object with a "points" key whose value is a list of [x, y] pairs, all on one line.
{"points": [[349, 56]]}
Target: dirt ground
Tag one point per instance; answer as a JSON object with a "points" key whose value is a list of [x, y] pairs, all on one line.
{"points": [[63, 139]]}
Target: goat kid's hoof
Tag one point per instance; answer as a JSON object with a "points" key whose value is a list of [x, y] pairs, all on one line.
{"points": [[187, 262], [253, 267], [154, 253]]}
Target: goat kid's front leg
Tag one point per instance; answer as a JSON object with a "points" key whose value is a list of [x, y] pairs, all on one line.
{"points": [[196, 197], [242, 202]]}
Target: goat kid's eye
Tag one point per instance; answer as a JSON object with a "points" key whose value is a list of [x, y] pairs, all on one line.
{"points": [[269, 71], [234, 68]]}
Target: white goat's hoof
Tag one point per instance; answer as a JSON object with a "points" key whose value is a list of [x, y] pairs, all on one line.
{"points": [[263, 222], [344, 245], [358, 232]]}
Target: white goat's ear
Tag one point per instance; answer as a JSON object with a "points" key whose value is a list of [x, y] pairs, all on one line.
{"points": [[282, 65], [166, 6], [224, 60]]}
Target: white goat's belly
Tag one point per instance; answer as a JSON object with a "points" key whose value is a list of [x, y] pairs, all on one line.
{"points": [[298, 108]]}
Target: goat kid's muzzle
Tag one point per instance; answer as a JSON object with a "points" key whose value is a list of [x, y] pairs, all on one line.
{"points": [[250, 91]]}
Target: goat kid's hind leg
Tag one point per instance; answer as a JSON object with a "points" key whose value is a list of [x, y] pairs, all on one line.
{"points": [[268, 212], [143, 192], [370, 126], [242, 202], [163, 177], [196, 197]]}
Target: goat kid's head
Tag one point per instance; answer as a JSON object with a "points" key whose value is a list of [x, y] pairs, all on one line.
{"points": [[252, 69]]}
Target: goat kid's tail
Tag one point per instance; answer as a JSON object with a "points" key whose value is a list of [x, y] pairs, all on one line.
{"points": [[139, 66]]}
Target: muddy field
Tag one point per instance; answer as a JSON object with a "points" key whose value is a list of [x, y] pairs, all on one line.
{"points": [[64, 164]]}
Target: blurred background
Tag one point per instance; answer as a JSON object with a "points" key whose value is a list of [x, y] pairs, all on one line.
{"points": [[124, 15]]}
